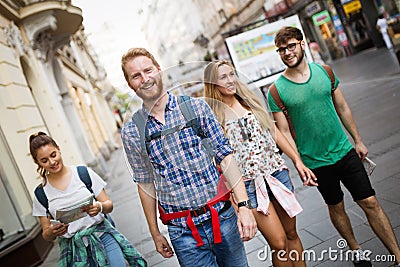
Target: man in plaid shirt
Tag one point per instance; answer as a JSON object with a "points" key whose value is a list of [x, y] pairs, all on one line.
{"points": [[181, 175]]}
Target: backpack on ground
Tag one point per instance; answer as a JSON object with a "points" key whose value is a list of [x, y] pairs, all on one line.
{"points": [[85, 178], [281, 105]]}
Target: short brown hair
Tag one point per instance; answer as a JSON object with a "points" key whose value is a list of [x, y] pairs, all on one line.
{"points": [[133, 53], [287, 33]]}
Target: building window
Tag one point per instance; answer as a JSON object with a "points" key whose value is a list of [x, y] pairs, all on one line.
{"points": [[222, 16], [16, 220]]}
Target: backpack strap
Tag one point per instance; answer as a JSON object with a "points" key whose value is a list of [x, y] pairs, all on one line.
{"points": [[194, 122], [275, 95], [42, 198], [186, 108], [41, 195], [139, 118], [188, 112], [329, 71], [85, 177]]}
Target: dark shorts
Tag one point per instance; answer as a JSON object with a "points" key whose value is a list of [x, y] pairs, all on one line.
{"points": [[282, 176], [350, 171]]}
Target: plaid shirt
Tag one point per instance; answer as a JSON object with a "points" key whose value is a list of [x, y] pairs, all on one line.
{"points": [[73, 251], [185, 176]]}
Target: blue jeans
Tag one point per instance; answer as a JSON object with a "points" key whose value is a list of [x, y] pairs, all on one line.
{"points": [[230, 252], [114, 253], [282, 176]]}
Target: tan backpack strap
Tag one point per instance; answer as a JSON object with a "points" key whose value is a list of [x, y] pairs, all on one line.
{"points": [[329, 71], [275, 95]]}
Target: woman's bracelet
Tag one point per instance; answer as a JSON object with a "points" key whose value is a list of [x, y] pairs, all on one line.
{"points": [[101, 206]]}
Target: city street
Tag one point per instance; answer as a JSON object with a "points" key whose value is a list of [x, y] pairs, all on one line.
{"points": [[370, 83]]}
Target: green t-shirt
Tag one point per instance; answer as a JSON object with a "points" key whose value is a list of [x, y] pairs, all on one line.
{"points": [[320, 138]]}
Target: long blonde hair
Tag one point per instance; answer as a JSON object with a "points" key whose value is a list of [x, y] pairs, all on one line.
{"points": [[244, 95]]}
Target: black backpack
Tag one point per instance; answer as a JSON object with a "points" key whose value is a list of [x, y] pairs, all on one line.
{"points": [[85, 178]]}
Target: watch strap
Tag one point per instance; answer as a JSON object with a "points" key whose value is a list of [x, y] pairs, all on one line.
{"points": [[245, 203]]}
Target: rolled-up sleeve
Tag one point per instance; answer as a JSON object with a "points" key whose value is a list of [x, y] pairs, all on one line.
{"points": [[139, 164], [213, 130]]}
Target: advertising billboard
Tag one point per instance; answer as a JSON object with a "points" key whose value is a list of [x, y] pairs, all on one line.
{"points": [[253, 52]]}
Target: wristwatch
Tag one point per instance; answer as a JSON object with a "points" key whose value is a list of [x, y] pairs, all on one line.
{"points": [[245, 203]]}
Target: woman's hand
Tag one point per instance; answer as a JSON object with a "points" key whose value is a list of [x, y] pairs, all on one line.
{"points": [[246, 223], [59, 229], [52, 231], [306, 175], [93, 209], [103, 204]]}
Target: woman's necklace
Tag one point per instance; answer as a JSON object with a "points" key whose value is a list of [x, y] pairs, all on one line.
{"points": [[231, 104]]}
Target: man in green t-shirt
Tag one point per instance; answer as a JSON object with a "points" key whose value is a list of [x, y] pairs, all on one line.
{"points": [[305, 90]]}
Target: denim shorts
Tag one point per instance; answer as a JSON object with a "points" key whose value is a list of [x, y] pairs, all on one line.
{"points": [[230, 252], [282, 176]]}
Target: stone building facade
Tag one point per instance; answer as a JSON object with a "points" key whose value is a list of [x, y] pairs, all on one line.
{"points": [[51, 81]]}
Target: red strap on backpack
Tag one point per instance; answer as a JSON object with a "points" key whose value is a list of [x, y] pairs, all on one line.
{"points": [[222, 195]]}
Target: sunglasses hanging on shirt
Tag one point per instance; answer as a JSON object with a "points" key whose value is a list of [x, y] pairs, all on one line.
{"points": [[243, 128]]}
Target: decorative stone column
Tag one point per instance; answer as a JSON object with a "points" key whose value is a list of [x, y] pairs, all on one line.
{"points": [[38, 29], [14, 40]]}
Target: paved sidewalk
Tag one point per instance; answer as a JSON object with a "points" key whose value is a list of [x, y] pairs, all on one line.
{"points": [[370, 82]]}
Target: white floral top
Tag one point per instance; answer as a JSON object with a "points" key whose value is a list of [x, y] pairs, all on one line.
{"points": [[256, 155]]}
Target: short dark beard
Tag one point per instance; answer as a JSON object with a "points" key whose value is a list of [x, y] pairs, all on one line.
{"points": [[300, 59]]}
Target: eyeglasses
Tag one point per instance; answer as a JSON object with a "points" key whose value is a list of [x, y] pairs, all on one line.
{"points": [[289, 47]]}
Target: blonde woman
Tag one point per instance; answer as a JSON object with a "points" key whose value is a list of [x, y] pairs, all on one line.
{"points": [[255, 140]]}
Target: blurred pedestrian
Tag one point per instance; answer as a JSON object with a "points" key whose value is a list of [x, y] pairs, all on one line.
{"points": [[382, 26], [254, 138], [177, 170], [305, 90], [90, 240], [316, 53]]}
